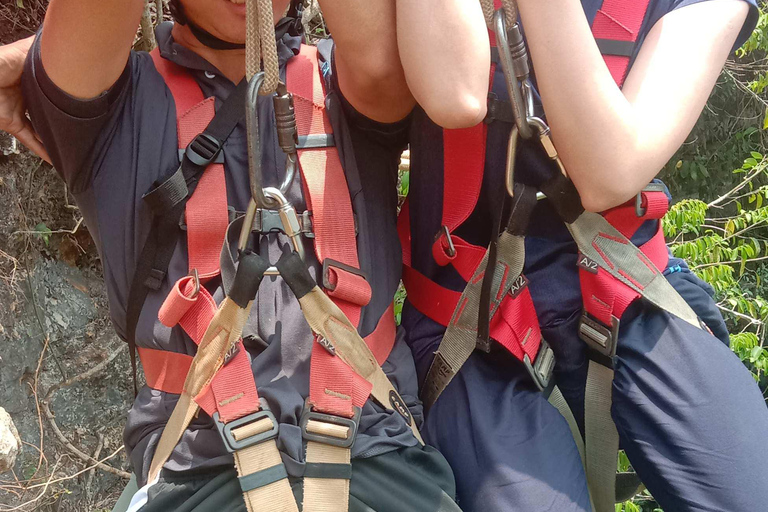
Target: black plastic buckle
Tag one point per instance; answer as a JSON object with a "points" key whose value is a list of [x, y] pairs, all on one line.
{"points": [[202, 150], [641, 210], [352, 423], [231, 444], [329, 263], [598, 336], [543, 367]]}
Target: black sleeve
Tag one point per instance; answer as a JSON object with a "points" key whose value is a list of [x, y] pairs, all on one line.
{"points": [[74, 131], [391, 135]]}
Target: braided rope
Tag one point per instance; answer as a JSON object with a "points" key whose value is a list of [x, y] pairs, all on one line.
{"points": [[260, 44], [510, 9]]}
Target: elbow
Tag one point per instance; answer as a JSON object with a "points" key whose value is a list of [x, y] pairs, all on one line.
{"points": [[600, 192], [457, 110]]}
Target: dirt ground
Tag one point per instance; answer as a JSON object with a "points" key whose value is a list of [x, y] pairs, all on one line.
{"points": [[64, 375]]}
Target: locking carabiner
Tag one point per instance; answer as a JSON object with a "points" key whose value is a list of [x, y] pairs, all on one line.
{"points": [[287, 137], [513, 55]]}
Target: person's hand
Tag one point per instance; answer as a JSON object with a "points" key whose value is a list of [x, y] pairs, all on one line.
{"points": [[13, 117]]}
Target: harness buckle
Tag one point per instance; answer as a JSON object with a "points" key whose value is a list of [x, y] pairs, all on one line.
{"points": [[329, 263], [203, 150], [543, 366], [314, 426], [599, 337], [641, 210], [248, 430]]}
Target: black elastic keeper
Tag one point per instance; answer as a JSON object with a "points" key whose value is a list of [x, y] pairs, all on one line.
{"points": [[155, 279], [599, 358], [294, 272], [328, 470], [262, 478], [616, 48], [523, 203], [250, 272], [168, 194], [564, 197]]}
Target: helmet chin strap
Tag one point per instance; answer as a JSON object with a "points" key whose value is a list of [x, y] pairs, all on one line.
{"points": [[212, 41]]}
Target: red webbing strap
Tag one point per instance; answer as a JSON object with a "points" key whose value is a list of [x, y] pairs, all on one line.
{"points": [[463, 161], [605, 297], [382, 339], [233, 391], [206, 212], [619, 20], [516, 326], [164, 370], [334, 388]]}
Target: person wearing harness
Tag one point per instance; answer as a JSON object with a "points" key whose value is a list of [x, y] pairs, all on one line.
{"points": [[158, 151], [504, 289]]}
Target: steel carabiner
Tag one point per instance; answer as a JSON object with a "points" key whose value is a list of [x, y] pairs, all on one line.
{"points": [[288, 218], [514, 63]]}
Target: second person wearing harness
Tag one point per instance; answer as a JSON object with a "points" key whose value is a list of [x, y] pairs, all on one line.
{"points": [[124, 130], [688, 414]]}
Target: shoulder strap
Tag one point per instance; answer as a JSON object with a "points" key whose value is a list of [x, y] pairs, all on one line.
{"points": [[616, 29], [202, 133]]}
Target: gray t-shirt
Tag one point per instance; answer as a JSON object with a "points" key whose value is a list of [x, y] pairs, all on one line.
{"points": [[112, 148]]}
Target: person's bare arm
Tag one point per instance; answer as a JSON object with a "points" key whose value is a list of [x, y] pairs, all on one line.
{"points": [[367, 62], [613, 142], [86, 43], [13, 118], [452, 88], [446, 56]]}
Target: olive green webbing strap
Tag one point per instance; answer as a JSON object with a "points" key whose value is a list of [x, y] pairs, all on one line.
{"points": [[615, 254], [460, 338]]}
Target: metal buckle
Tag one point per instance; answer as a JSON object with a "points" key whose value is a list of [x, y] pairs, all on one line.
{"points": [[231, 444], [543, 367], [640, 210], [599, 337], [352, 423], [445, 232], [329, 263], [196, 277]]}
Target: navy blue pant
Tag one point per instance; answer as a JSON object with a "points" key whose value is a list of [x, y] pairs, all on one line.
{"points": [[689, 415]]}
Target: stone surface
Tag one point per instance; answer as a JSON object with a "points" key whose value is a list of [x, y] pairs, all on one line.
{"points": [[10, 444]]}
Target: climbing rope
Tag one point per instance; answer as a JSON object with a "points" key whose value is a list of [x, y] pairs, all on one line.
{"points": [[510, 11], [260, 44]]}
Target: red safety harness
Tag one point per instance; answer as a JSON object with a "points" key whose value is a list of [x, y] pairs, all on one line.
{"points": [[232, 394], [515, 324]]}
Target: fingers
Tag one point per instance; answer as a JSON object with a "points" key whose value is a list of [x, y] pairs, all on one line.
{"points": [[26, 135]]}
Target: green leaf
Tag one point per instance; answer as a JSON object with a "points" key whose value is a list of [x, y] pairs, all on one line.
{"points": [[20, 4]]}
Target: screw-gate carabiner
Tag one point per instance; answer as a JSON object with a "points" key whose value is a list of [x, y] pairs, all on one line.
{"points": [[546, 142], [285, 121], [514, 62]]}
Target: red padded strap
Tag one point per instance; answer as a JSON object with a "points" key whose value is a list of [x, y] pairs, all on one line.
{"points": [[619, 20], [206, 212], [334, 388]]}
